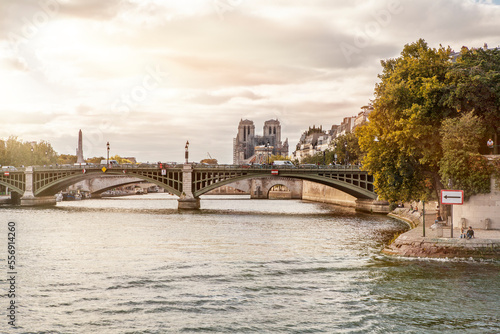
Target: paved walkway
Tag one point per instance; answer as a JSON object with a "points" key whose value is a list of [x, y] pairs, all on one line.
{"points": [[479, 234], [438, 243]]}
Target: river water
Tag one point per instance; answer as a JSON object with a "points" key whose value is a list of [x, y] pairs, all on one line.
{"points": [[137, 265]]}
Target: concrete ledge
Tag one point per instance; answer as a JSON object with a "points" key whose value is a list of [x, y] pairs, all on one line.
{"points": [[188, 203], [372, 206], [5, 200], [38, 201]]}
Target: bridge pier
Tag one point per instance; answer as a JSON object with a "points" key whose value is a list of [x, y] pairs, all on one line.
{"points": [[187, 201], [28, 198]]}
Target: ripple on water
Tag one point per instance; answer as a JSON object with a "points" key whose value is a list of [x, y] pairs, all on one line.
{"points": [[137, 265]]}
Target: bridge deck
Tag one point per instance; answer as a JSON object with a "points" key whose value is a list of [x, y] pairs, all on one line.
{"points": [[48, 180]]}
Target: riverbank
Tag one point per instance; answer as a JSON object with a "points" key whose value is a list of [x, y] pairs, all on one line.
{"points": [[438, 243]]}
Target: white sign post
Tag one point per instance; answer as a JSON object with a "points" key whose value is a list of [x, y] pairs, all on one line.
{"points": [[452, 197]]}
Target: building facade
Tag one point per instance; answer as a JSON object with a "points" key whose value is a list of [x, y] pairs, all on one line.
{"points": [[251, 148], [316, 140]]}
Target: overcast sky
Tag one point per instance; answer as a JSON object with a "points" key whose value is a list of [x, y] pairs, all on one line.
{"points": [[147, 75]]}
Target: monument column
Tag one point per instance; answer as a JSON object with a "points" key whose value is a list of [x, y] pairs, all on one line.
{"points": [[79, 150]]}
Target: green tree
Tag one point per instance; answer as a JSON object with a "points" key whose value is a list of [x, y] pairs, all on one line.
{"points": [[347, 149], [474, 84], [461, 163], [15, 152], [318, 159], [401, 145], [43, 153]]}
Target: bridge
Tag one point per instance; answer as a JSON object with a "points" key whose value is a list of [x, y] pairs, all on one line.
{"points": [[36, 185]]}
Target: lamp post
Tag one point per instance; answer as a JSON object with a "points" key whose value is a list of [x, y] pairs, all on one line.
{"points": [[335, 152], [32, 160], [450, 186], [267, 153], [186, 154], [346, 156], [107, 159]]}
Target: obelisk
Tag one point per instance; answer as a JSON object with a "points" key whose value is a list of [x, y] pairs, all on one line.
{"points": [[79, 150]]}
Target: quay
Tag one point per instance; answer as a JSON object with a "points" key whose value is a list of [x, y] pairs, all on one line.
{"points": [[438, 244]]}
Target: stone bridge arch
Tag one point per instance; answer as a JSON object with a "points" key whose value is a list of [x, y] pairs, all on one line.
{"points": [[262, 186], [49, 185], [100, 184]]}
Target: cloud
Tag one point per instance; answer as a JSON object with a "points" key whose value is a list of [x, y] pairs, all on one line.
{"points": [[77, 64]]}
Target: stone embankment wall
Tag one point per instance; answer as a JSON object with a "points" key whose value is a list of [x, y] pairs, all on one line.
{"points": [[324, 194], [480, 211], [320, 193]]}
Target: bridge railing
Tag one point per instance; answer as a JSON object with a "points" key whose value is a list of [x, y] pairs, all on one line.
{"points": [[255, 167], [269, 167]]}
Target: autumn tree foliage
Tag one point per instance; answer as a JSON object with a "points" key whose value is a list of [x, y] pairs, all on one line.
{"points": [[401, 141], [419, 94]]}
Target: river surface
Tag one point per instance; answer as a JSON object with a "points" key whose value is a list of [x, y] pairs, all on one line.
{"points": [[137, 265]]}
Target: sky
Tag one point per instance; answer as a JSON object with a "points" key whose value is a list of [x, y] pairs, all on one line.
{"points": [[149, 75]]}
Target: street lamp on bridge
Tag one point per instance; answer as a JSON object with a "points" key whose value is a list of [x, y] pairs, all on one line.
{"points": [[335, 153], [107, 160], [267, 153], [187, 151], [346, 153]]}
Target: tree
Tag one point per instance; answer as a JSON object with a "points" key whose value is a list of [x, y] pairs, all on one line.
{"points": [[67, 159], [347, 150], [120, 160], [273, 157], [461, 163], [15, 152], [474, 84], [320, 158], [43, 153], [94, 160], [400, 142]]}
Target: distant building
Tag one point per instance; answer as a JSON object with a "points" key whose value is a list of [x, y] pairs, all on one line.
{"points": [[251, 148], [316, 140]]}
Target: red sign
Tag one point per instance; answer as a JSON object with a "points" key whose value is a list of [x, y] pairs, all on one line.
{"points": [[274, 171], [6, 173]]}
